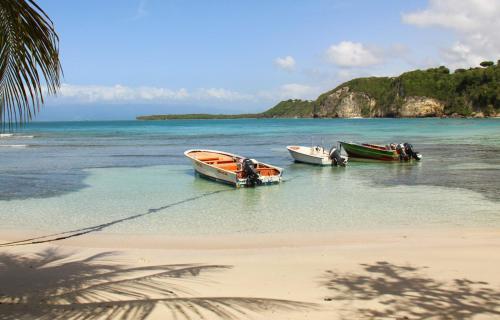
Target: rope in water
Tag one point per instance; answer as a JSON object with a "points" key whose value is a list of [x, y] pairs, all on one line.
{"points": [[78, 232], [82, 231]]}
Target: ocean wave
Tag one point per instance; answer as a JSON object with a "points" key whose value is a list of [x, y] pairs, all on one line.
{"points": [[14, 145], [6, 135], [15, 136]]}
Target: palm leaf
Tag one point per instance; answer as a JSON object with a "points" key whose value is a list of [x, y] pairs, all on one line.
{"points": [[52, 285], [181, 308], [29, 53], [141, 287]]}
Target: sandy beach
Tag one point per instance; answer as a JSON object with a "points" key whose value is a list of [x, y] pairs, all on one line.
{"points": [[260, 160], [392, 274], [129, 232]]}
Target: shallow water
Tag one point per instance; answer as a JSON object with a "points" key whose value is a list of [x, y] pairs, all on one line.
{"points": [[77, 174]]}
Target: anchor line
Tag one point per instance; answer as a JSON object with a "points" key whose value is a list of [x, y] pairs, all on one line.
{"points": [[82, 231]]}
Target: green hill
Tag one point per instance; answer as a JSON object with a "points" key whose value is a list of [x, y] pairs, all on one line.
{"points": [[463, 92], [419, 93], [291, 108]]}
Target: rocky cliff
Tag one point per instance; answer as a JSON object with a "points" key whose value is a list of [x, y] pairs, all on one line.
{"points": [[433, 92], [346, 103], [421, 107]]}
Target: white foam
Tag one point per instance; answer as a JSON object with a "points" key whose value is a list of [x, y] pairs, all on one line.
{"points": [[14, 145], [15, 136]]}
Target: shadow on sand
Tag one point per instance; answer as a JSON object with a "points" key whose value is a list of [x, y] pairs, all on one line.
{"points": [[55, 285], [402, 292]]}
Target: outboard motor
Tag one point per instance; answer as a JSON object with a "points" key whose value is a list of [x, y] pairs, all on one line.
{"points": [[401, 151], [408, 148], [251, 173], [338, 159]]}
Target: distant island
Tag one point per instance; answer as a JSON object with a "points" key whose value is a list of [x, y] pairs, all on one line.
{"points": [[435, 92], [199, 116]]}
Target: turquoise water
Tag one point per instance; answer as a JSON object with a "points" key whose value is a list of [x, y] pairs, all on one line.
{"points": [[67, 175]]}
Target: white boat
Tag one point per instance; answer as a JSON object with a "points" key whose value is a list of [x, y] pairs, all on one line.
{"points": [[317, 155], [233, 169]]}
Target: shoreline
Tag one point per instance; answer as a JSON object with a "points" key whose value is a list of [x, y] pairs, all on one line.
{"points": [[236, 117], [251, 241]]}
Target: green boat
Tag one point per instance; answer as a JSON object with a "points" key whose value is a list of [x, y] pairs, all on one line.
{"points": [[377, 152]]}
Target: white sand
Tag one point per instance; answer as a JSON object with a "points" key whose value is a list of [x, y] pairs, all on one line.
{"points": [[432, 274]]}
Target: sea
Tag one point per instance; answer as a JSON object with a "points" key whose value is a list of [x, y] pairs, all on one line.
{"points": [[132, 177]]}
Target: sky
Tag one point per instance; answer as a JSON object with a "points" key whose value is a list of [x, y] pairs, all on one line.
{"points": [[123, 58]]}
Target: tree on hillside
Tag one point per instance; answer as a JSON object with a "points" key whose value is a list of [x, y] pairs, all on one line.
{"points": [[486, 64], [29, 60]]}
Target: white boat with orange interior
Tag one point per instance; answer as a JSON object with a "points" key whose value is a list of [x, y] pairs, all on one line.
{"points": [[233, 169]]}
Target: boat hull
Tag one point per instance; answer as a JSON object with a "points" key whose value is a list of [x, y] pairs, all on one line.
{"points": [[355, 150], [215, 174], [309, 155], [226, 176]]}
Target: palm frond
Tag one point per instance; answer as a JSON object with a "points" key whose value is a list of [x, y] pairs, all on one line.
{"points": [[181, 308], [140, 287], [53, 285], [29, 53]]}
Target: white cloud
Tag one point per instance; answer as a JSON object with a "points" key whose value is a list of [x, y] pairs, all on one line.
{"points": [[290, 91], [352, 54], [222, 94], [475, 23], [298, 91], [462, 55], [123, 94], [397, 50], [286, 63], [345, 74], [119, 94]]}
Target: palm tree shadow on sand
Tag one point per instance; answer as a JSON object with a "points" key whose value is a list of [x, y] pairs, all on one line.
{"points": [[402, 292], [55, 285]]}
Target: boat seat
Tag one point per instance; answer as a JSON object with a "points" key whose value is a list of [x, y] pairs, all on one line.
{"points": [[227, 166], [225, 161], [208, 159], [267, 171]]}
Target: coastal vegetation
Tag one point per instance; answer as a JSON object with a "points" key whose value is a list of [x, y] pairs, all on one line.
{"points": [[463, 92], [432, 92], [291, 108], [29, 54], [203, 116]]}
